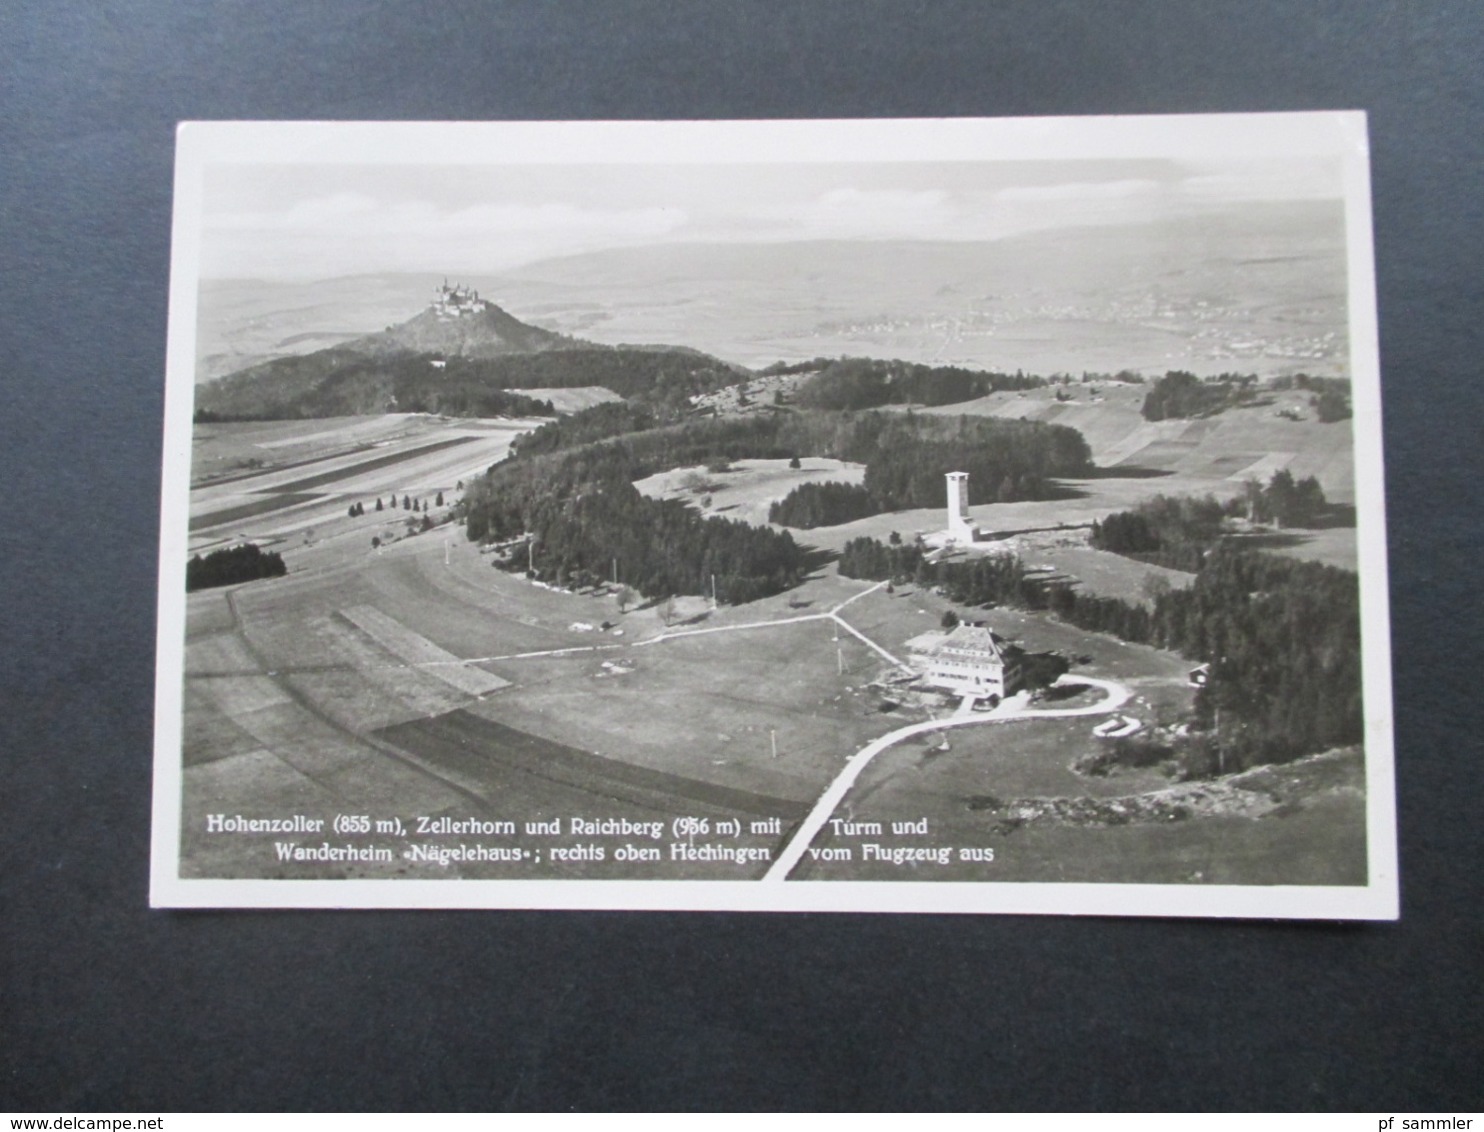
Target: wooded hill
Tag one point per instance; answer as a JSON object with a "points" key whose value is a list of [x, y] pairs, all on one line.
{"points": [[483, 333], [909, 452], [867, 383], [460, 367], [1007, 460], [337, 382], [581, 505]]}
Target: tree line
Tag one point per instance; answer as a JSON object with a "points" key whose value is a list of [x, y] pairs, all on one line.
{"points": [[1007, 460], [1178, 532], [540, 491], [867, 383], [587, 517], [245, 563], [780, 367], [1180, 394], [356, 510], [1330, 396], [823, 505], [984, 446], [662, 379], [344, 382], [596, 422], [341, 382], [1172, 532], [659, 547], [560, 494]]}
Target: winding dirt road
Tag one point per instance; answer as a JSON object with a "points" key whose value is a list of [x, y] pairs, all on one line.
{"points": [[1117, 695]]}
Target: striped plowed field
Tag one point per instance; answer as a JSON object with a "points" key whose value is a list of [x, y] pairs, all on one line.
{"points": [[489, 760]]}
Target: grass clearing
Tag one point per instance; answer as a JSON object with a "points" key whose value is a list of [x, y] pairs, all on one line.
{"points": [[416, 651], [1235, 445], [574, 399], [709, 706], [1317, 837], [750, 488]]}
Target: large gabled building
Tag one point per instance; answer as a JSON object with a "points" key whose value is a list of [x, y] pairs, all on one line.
{"points": [[971, 660]]}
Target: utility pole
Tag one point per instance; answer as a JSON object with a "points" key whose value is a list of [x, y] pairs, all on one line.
{"points": [[773, 735], [615, 571], [713, 591], [445, 552], [531, 555], [839, 661]]}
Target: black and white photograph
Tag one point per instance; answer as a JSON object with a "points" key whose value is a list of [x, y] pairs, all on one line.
{"points": [[921, 515]]}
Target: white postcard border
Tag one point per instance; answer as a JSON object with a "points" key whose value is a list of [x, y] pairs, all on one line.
{"points": [[1341, 135]]}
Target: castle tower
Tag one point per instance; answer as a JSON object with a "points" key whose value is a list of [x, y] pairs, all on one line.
{"points": [[959, 527]]}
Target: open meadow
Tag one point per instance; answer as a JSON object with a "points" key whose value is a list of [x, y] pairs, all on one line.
{"points": [[1285, 825], [749, 487], [282, 482], [411, 680], [1226, 449]]}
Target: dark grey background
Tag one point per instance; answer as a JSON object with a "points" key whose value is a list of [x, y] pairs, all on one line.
{"points": [[104, 1004]]}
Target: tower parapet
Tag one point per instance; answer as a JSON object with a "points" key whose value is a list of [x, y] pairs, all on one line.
{"points": [[960, 529]]}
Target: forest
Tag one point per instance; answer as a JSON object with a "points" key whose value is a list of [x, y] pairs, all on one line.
{"points": [[1282, 637], [659, 547], [910, 453], [1179, 532], [866, 383], [823, 505], [1329, 396], [339, 382], [344, 382], [596, 422], [245, 563], [581, 505], [1179, 394], [1172, 532], [1007, 460]]}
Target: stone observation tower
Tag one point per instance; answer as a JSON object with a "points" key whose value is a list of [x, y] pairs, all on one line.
{"points": [[959, 527]]}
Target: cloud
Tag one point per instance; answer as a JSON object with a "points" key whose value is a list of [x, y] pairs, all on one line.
{"points": [[324, 222], [1080, 191], [877, 213], [1308, 180], [353, 231]]}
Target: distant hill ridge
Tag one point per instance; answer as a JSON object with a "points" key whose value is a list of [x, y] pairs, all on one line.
{"points": [[456, 356], [459, 323]]}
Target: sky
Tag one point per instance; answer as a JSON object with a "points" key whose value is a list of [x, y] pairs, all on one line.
{"points": [[306, 221]]}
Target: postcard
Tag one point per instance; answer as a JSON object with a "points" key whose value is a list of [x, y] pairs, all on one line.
{"points": [[880, 516]]}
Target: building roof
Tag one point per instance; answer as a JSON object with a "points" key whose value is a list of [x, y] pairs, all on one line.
{"points": [[974, 640], [978, 642]]}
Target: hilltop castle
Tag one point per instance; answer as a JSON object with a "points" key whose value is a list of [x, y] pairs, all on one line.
{"points": [[456, 302]]}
